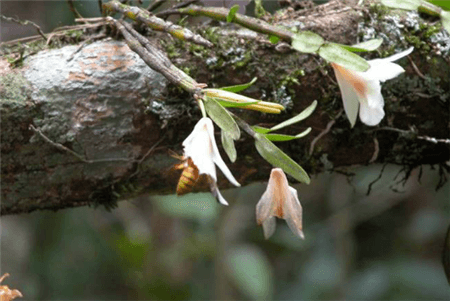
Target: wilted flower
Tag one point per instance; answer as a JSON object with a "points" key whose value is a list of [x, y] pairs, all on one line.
{"points": [[279, 200], [7, 294], [362, 90], [201, 147]]}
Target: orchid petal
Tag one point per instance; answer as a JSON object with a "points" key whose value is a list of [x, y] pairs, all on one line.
{"points": [[349, 96], [216, 192], [371, 115], [383, 71], [293, 214], [399, 55], [269, 226], [279, 200]]}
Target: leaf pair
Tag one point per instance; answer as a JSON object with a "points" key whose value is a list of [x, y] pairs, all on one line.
{"points": [[309, 42]]}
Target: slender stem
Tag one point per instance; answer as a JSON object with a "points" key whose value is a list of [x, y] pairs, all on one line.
{"points": [[220, 14], [154, 58]]}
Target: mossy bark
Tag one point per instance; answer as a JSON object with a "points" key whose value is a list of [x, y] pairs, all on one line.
{"points": [[109, 108]]}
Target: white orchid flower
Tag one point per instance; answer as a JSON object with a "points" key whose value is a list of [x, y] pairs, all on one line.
{"points": [[201, 147], [279, 200], [362, 90]]}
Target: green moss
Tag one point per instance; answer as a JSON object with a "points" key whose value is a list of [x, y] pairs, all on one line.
{"points": [[14, 88]]}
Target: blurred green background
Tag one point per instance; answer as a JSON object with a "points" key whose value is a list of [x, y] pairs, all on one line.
{"points": [[384, 246]]}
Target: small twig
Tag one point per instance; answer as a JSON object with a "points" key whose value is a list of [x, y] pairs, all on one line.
{"points": [[324, 132], [155, 4], [26, 22], [426, 138], [376, 150], [139, 162], [100, 7], [369, 189], [93, 20], [174, 8], [73, 9], [420, 74], [99, 36], [78, 156]]}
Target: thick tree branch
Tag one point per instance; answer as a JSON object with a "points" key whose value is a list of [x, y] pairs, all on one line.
{"points": [[120, 117]]}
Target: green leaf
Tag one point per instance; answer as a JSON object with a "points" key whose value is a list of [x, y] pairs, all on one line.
{"points": [[274, 39], [232, 13], [370, 45], [250, 271], [307, 42], [228, 146], [275, 156], [222, 118], [336, 54], [280, 137], [445, 15], [304, 114], [403, 4], [445, 4], [260, 129], [239, 88]]}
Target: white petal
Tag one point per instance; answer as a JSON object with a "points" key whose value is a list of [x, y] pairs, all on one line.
{"points": [[216, 155], [269, 226], [198, 147], [265, 206], [372, 115], [399, 55], [372, 96], [216, 192], [349, 97], [383, 70], [293, 213]]}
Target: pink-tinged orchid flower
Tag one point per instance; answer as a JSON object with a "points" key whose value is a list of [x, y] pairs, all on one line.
{"points": [[362, 90], [201, 147], [279, 200]]}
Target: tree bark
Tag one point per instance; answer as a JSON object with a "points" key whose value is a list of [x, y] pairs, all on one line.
{"points": [[95, 127]]}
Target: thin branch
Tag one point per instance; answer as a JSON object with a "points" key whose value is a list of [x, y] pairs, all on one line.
{"points": [[100, 7], [420, 74], [154, 58], [426, 138], [369, 189], [324, 132], [137, 14], [174, 8], [220, 14], [73, 9], [96, 37], [155, 4], [78, 156], [26, 22]]}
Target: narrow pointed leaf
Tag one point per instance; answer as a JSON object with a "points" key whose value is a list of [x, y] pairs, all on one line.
{"points": [[260, 129], [445, 16], [231, 104], [275, 156], [232, 13], [402, 4], [370, 45], [304, 114], [222, 118], [280, 137], [307, 42], [239, 88], [336, 54], [228, 146]]}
